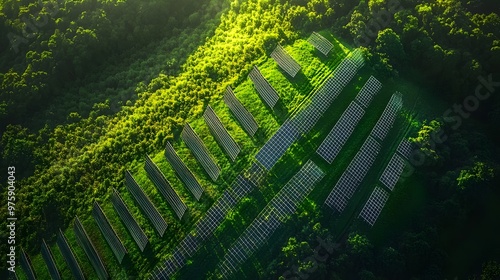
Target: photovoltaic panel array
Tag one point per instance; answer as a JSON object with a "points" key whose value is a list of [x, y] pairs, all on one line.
{"points": [[189, 245], [109, 233], [405, 148], [183, 172], [49, 261], [307, 118], [84, 241], [165, 188], [392, 172], [284, 203], [129, 221], [364, 158], [263, 87], [296, 189], [320, 43], [243, 116], [251, 240], [341, 194], [215, 215], [374, 205], [204, 228], [255, 173], [145, 204], [386, 121], [195, 144], [68, 256], [340, 133], [368, 91], [285, 61], [226, 142], [26, 265], [241, 187], [357, 58], [275, 147], [354, 175]]}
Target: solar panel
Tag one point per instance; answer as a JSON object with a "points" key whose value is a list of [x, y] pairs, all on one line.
{"points": [[374, 206], [320, 43], [275, 147], [183, 172], [255, 174], [386, 121], [392, 172], [341, 194], [226, 142], [264, 89], [26, 265], [129, 221], [87, 246], [109, 233], [342, 75], [145, 204], [68, 256], [228, 201], [243, 116], [368, 91], [200, 152], [49, 261], [253, 238], [357, 58], [159, 180], [166, 270], [354, 175], [283, 203], [340, 133], [405, 148], [364, 159], [307, 118], [189, 245], [324, 96], [179, 258], [216, 213], [285, 61], [289, 132], [211, 221]]}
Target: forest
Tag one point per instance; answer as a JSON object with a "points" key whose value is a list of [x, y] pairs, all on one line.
{"points": [[89, 87]]}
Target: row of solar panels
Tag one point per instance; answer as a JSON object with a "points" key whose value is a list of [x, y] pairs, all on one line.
{"points": [[389, 178], [362, 162]]}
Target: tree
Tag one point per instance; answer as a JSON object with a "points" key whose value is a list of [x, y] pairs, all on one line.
{"points": [[477, 175], [491, 271], [430, 136], [388, 44]]}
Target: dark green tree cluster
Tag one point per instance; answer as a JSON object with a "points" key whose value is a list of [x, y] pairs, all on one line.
{"points": [[47, 44]]}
